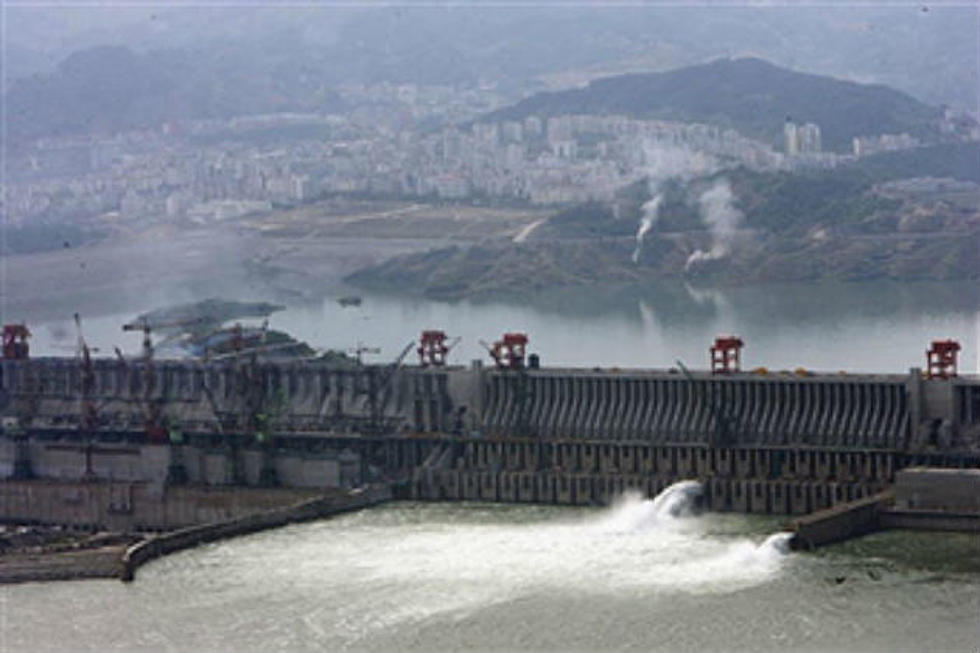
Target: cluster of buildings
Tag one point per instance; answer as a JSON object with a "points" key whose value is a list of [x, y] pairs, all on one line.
{"points": [[210, 170], [866, 145], [801, 139], [214, 169]]}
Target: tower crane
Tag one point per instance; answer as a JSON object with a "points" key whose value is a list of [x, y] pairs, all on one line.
{"points": [[146, 326]]}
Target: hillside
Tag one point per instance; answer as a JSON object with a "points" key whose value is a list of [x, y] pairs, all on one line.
{"points": [[750, 95], [899, 216], [777, 202], [111, 88], [532, 46], [505, 269]]}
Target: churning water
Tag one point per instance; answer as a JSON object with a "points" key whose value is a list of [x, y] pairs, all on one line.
{"points": [[642, 574]]}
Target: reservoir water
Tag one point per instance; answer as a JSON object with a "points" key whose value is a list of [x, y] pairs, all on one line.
{"points": [[641, 575], [857, 327]]}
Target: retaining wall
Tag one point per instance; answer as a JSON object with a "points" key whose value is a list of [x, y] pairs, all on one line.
{"points": [[130, 507], [154, 547]]}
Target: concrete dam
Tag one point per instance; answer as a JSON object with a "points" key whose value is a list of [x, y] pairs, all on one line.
{"points": [[761, 441]]}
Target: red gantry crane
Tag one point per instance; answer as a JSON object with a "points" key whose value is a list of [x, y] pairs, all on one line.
{"points": [[726, 354], [508, 352], [432, 349], [941, 358], [15, 345]]}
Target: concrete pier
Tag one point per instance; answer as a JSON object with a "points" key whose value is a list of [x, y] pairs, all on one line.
{"points": [[922, 498]]}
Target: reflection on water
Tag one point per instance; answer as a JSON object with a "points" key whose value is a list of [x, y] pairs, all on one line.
{"points": [[878, 327]]}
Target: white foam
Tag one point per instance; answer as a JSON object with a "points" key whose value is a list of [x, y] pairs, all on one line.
{"points": [[395, 570]]}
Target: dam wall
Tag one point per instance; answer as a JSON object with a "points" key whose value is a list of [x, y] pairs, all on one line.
{"points": [[216, 396], [861, 412], [767, 442], [897, 412], [131, 507], [203, 462], [754, 479]]}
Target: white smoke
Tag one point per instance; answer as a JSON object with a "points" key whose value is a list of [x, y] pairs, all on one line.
{"points": [[665, 162], [660, 163], [651, 210], [722, 219]]}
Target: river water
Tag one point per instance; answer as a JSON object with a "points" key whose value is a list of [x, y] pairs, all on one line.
{"points": [[508, 577], [857, 327], [503, 578]]}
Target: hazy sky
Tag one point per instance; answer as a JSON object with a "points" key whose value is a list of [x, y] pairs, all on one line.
{"points": [[929, 50]]}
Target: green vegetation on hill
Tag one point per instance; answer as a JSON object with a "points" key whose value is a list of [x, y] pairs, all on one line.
{"points": [[955, 160], [750, 95], [839, 197], [774, 201], [781, 201], [820, 224]]}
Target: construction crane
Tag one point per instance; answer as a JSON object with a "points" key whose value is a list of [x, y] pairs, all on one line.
{"points": [[89, 423], [238, 341], [152, 409], [381, 381], [147, 327], [362, 349]]}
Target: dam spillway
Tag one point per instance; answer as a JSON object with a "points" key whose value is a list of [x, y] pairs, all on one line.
{"points": [[867, 412], [782, 442]]}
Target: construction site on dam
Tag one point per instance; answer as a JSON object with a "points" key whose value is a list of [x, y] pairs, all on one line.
{"points": [[147, 444]]}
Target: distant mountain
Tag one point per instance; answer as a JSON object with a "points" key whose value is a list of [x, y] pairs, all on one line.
{"points": [[929, 52], [750, 95], [112, 88]]}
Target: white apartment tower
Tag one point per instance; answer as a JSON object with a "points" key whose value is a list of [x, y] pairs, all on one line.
{"points": [[791, 138], [808, 138]]}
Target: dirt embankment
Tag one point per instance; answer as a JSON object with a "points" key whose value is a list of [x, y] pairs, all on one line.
{"points": [[40, 553]]}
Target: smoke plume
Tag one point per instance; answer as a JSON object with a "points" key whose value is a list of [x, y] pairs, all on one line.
{"points": [[722, 219], [660, 163], [650, 213]]}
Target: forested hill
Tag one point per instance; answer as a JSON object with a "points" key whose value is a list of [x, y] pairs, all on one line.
{"points": [[751, 95]]}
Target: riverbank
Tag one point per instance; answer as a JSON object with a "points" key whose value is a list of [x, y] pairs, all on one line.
{"points": [[504, 268], [103, 562], [32, 552]]}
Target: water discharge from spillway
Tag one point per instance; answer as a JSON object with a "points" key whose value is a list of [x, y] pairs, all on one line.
{"points": [[405, 561], [644, 574]]}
